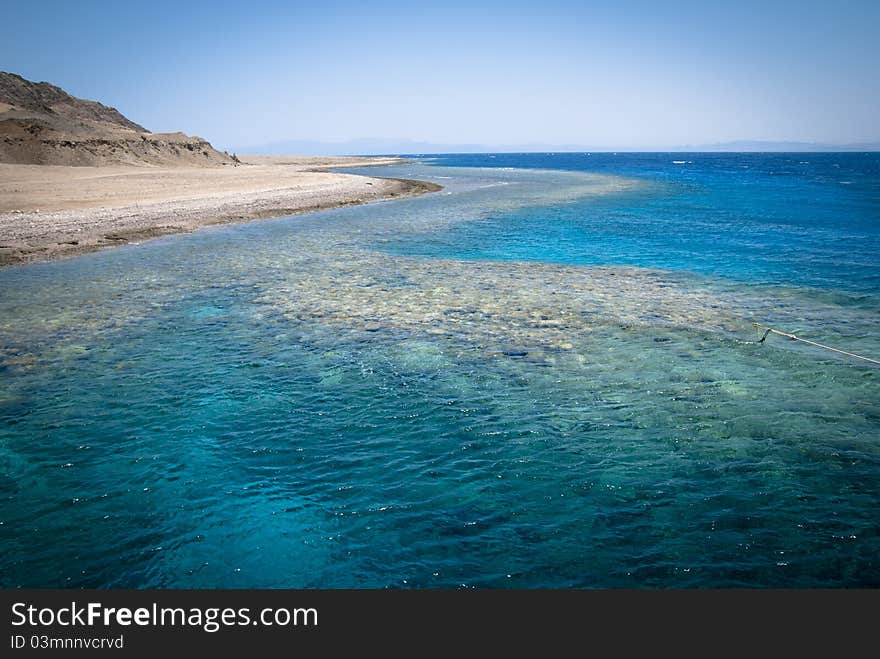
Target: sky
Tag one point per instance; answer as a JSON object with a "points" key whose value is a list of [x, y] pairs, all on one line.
{"points": [[616, 74]]}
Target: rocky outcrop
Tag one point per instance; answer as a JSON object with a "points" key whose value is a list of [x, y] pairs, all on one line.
{"points": [[41, 124]]}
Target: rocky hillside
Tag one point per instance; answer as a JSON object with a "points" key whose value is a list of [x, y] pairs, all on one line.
{"points": [[41, 124]]}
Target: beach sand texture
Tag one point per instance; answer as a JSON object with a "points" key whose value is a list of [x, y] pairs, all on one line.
{"points": [[49, 212]]}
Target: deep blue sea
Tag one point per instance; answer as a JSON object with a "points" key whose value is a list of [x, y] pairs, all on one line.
{"points": [[543, 376], [809, 219]]}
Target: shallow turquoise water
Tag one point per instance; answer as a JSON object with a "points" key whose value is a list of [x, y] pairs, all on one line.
{"points": [[447, 391]]}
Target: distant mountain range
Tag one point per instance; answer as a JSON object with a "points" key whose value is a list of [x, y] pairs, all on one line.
{"points": [[364, 146], [41, 124], [757, 145], [368, 146]]}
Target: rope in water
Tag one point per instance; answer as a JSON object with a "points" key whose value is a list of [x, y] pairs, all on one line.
{"points": [[769, 330]]}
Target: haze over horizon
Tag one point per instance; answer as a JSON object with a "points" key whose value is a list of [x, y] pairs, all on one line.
{"points": [[635, 75]]}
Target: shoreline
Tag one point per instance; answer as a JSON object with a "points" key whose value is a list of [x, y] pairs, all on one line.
{"points": [[49, 212]]}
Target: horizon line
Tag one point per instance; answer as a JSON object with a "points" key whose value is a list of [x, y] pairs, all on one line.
{"points": [[258, 152], [375, 146]]}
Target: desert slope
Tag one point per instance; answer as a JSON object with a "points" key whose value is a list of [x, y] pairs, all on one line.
{"points": [[41, 124]]}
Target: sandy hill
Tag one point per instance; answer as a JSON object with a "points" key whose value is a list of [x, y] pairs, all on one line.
{"points": [[41, 124]]}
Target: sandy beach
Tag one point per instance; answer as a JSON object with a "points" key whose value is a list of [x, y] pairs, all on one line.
{"points": [[49, 212]]}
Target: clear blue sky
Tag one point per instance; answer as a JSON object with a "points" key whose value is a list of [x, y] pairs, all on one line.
{"points": [[621, 73]]}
